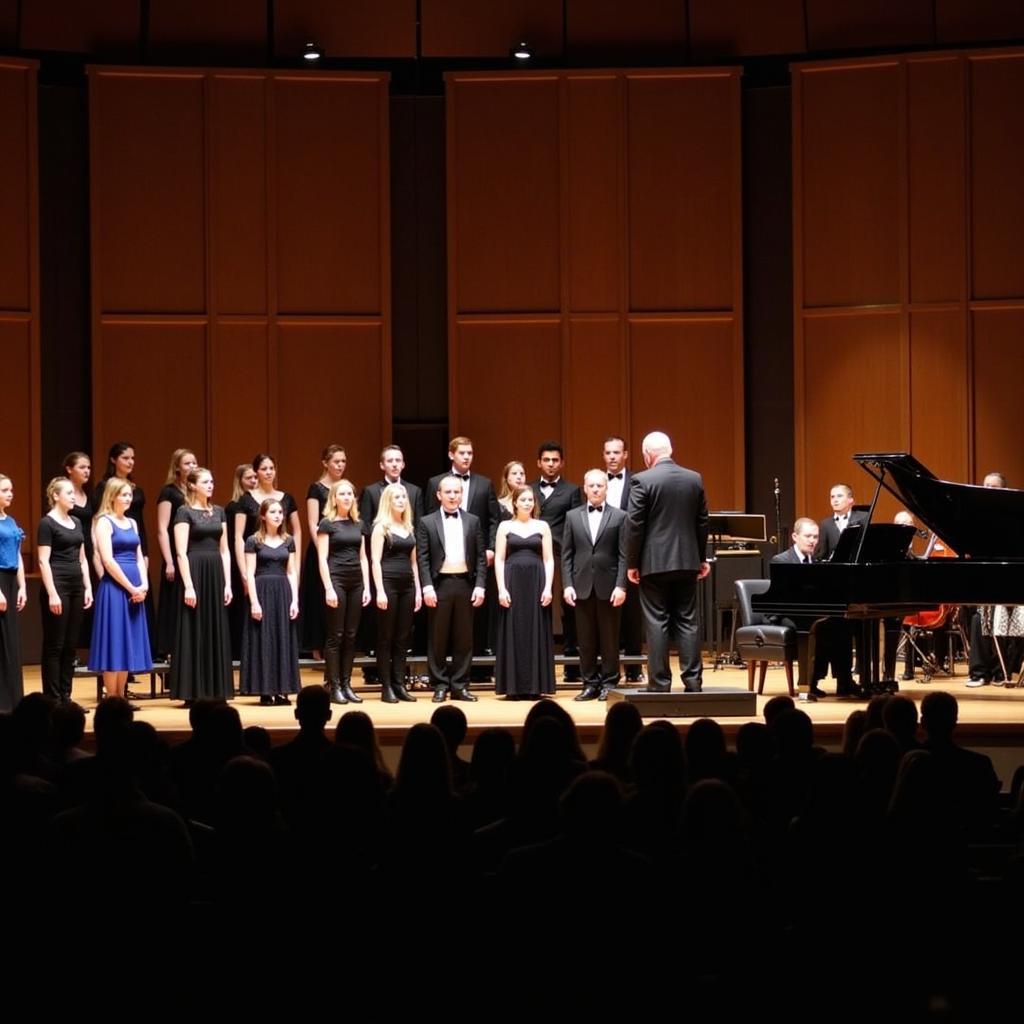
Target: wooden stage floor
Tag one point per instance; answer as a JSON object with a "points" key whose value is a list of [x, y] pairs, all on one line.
{"points": [[989, 716]]}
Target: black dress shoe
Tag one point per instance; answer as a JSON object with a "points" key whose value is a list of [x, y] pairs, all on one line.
{"points": [[387, 695], [463, 695], [588, 693], [337, 697], [401, 693], [851, 692], [281, 700], [816, 692], [266, 701], [439, 695]]}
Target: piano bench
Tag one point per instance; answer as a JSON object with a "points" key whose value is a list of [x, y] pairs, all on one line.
{"points": [[757, 645]]}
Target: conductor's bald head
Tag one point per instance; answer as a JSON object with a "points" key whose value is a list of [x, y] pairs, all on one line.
{"points": [[656, 446]]}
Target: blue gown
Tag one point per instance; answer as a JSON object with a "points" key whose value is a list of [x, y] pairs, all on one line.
{"points": [[120, 634]]}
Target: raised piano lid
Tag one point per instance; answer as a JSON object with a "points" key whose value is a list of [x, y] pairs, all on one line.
{"points": [[983, 523]]}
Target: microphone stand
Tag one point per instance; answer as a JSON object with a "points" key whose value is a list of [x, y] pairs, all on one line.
{"points": [[778, 518]]}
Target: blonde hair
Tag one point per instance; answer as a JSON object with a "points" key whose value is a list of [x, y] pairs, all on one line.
{"points": [[237, 490], [331, 508], [111, 489], [505, 491], [261, 533], [53, 486], [384, 517], [175, 466], [190, 483]]}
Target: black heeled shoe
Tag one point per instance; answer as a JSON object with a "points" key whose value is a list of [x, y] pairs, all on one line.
{"points": [[401, 693], [349, 695], [337, 696], [281, 700]]}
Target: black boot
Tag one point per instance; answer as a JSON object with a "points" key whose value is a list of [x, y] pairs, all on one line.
{"points": [[401, 693], [337, 695], [386, 694], [348, 693]]}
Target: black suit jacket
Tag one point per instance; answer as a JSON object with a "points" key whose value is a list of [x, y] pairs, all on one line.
{"points": [[828, 533], [430, 548], [790, 556], [483, 502], [369, 501], [667, 520], [594, 567], [554, 507]]}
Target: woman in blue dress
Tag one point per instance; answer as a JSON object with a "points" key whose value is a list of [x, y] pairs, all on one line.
{"points": [[12, 599], [120, 636]]}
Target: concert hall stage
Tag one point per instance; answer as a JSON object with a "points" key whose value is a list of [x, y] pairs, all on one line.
{"points": [[991, 718]]}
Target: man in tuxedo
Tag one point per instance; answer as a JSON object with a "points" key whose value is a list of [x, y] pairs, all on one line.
{"points": [[843, 515], [835, 636], [557, 496], [667, 535], [479, 498], [615, 453], [594, 582], [452, 555], [805, 540], [392, 463]]}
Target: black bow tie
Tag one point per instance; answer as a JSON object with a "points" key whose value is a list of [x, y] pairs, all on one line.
{"points": [[451, 515], [614, 476], [597, 508], [838, 518], [460, 476]]}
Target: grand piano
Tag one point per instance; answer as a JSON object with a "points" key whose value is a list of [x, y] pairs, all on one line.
{"points": [[876, 576]]}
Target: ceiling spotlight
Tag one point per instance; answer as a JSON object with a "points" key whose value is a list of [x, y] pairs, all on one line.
{"points": [[311, 53], [521, 51]]}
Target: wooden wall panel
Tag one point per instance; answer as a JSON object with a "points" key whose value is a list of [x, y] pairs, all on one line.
{"points": [[934, 373], [148, 209], [340, 404], [641, 186], [468, 28], [509, 389], [997, 170], [128, 356], [594, 192], [111, 27], [840, 25], [998, 378], [850, 199], [659, 25], [936, 177], [679, 383], [9, 24], [241, 398], [746, 27], [355, 28], [596, 401], [329, 198], [227, 28], [683, 158], [504, 153], [19, 425], [17, 184], [238, 194], [939, 409], [852, 399], [279, 161], [963, 21], [20, 404]]}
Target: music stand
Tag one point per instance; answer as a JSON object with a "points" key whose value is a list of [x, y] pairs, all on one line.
{"points": [[728, 525]]}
